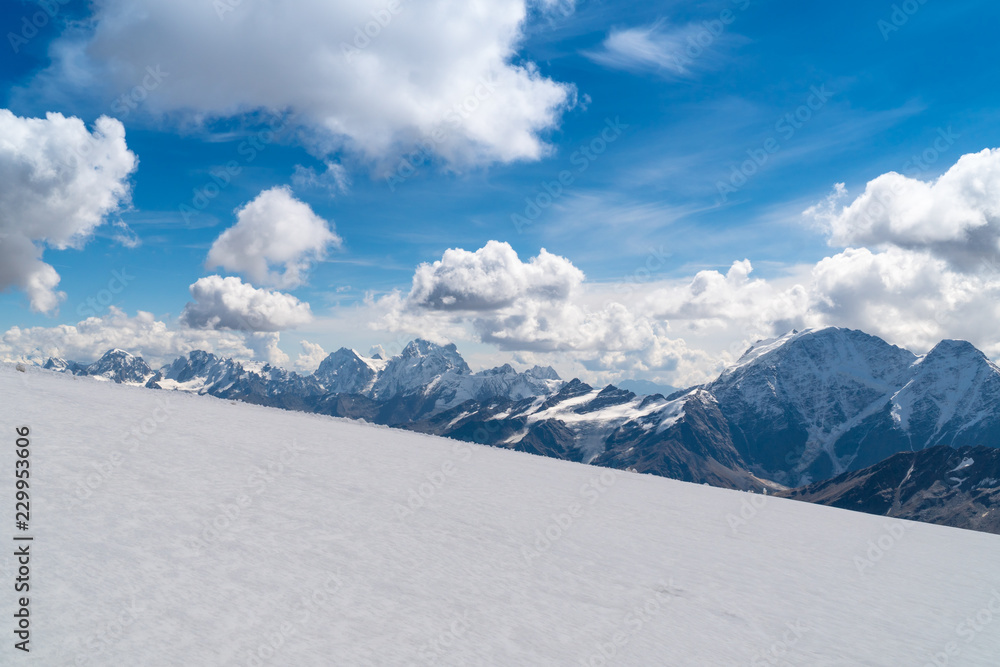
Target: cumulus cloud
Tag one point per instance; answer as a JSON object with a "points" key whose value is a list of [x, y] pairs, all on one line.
{"points": [[58, 182], [265, 346], [273, 230], [713, 299], [913, 299], [311, 357], [955, 217], [229, 303], [490, 278], [910, 298], [684, 330], [143, 335], [373, 79], [534, 306]]}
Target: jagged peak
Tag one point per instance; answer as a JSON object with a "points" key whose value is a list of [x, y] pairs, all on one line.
{"points": [[421, 346], [575, 385], [506, 369], [611, 390], [117, 356], [342, 353], [199, 355], [543, 373], [335, 361], [772, 347], [955, 348]]}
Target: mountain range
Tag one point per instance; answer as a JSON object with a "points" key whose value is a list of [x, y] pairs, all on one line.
{"points": [[797, 415], [953, 487]]}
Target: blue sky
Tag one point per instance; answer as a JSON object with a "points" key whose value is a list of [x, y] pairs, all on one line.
{"points": [[890, 84]]}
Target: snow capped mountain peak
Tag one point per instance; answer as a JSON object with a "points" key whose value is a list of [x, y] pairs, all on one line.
{"points": [[791, 399], [819, 356], [120, 366], [543, 373], [416, 367], [347, 372], [437, 373], [761, 348], [420, 348], [830, 343], [199, 371], [954, 390], [499, 370], [571, 389], [955, 349], [63, 366]]}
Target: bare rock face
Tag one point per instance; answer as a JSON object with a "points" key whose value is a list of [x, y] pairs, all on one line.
{"points": [[953, 487]]}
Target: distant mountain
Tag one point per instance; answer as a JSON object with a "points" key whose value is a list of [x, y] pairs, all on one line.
{"points": [[347, 372], [422, 380], [951, 397], [116, 366], [812, 405], [796, 410], [790, 400], [953, 487]]}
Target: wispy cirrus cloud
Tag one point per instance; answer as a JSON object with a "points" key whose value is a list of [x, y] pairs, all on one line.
{"points": [[660, 48]]}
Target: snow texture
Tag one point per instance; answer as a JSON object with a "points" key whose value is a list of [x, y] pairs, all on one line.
{"points": [[225, 533]]}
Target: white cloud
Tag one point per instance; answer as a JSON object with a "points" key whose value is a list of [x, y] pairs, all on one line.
{"points": [[311, 357], [956, 217], [564, 7], [334, 179], [58, 182], [646, 47], [354, 72], [913, 299], [229, 303], [712, 299], [490, 278], [273, 230], [683, 331], [143, 335], [910, 298], [536, 306], [675, 51], [265, 346]]}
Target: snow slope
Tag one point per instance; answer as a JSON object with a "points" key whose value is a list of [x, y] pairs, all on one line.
{"points": [[323, 548]]}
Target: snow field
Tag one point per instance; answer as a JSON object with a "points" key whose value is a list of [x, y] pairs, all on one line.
{"points": [[186, 530]]}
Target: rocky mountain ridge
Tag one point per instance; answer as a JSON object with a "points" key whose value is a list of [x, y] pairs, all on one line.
{"points": [[794, 411]]}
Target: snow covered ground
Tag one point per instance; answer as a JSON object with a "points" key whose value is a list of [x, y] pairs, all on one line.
{"points": [[173, 529]]}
